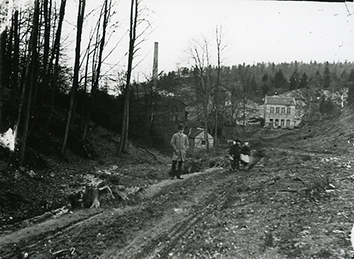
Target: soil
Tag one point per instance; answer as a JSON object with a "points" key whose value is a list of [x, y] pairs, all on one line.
{"points": [[296, 202]]}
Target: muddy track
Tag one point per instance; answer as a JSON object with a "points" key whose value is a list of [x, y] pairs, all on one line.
{"points": [[153, 209], [174, 218], [180, 229], [186, 226], [168, 233]]}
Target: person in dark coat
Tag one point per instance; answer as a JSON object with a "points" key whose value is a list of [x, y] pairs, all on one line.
{"points": [[235, 154], [180, 144]]}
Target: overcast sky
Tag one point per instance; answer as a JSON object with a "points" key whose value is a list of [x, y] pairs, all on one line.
{"points": [[252, 31]]}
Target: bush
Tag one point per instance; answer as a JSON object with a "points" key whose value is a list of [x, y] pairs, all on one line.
{"points": [[328, 108]]}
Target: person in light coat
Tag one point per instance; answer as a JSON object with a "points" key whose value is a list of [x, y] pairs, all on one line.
{"points": [[245, 154], [180, 143]]}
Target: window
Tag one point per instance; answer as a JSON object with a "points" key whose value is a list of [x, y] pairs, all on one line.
{"points": [[271, 121], [203, 142], [283, 110], [287, 123], [276, 122], [282, 123], [271, 109], [288, 110], [277, 110]]}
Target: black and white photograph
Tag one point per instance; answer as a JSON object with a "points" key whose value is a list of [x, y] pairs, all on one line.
{"points": [[176, 129]]}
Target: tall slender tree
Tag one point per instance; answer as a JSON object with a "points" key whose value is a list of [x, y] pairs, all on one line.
{"points": [[202, 87], [96, 77], [294, 81], [304, 81], [123, 144], [2, 66], [219, 49], [47, 13], [326, 79], [55, 57], [15, 59], [31, 80], [80, 20]]}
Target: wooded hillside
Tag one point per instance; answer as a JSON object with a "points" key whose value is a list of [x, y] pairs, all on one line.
{"points": [[52, 105]]}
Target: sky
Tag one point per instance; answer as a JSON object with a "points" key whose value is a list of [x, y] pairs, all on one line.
{"points": [[252, 31]]}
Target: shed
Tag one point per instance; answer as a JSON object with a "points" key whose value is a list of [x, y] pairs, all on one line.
{"points": [[197, 139]]}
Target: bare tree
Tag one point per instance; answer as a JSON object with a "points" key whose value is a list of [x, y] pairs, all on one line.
{"points": [[123, 144], [31, 79], [80, 19], [47, 13], [203, 87], [55, 69], [245, 78], [96, 74], [219, 49], [3, 35], [15, 58], [2, 58]]}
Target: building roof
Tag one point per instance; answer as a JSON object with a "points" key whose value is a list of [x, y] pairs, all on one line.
{"points": [[196, 131], [279, 100]]}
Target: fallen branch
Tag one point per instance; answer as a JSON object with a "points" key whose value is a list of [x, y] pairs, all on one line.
{"points": [[347, 177], [299, 179], [122, 195], [63, 252], [147, 151], [293, 190], [3, 198], [287, 190]]}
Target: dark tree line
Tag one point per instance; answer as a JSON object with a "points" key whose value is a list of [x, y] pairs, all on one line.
{"points": [[35, 84], [239, 84]]}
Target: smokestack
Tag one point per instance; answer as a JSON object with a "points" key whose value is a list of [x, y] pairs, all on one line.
{"points": [[155, 64]]}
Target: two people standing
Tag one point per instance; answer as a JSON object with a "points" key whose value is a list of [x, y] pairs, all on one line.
{"points": [[239, 153], [180, 144]]}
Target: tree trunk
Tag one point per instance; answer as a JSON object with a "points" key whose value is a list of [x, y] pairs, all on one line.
{"points": [[32, 76], [85, 79], [206, 137], [2, 67], [47, 6], [15, 60], [98, 70], [218, 48], [55, 53], [207, 99], [80, 19], [123, 144]]}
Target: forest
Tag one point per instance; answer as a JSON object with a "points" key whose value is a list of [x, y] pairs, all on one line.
{"points": [[51, 105]]}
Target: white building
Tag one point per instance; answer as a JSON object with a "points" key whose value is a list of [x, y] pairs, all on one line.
{"points": [[197, 139], [279, 111]]}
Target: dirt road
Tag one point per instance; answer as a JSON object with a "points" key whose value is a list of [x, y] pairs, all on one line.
{"points": [[289, 205]]}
